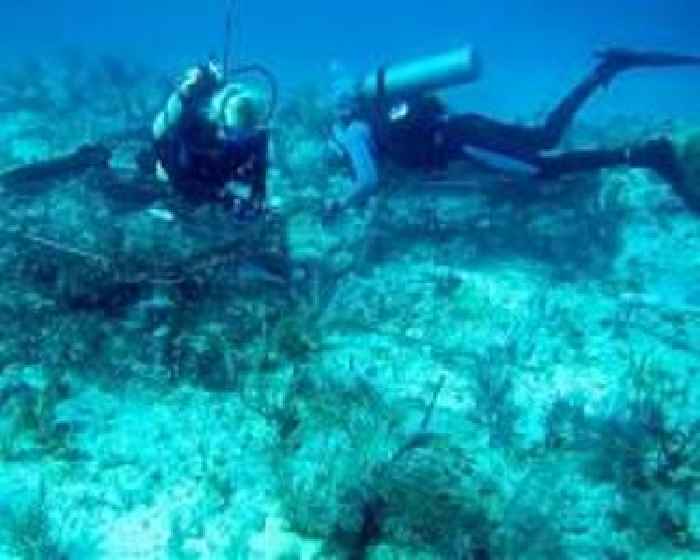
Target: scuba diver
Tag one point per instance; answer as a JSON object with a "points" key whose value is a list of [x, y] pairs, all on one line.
{"points": [[210, 140], [391, 116]]}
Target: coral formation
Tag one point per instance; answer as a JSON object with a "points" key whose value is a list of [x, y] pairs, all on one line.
{"points": [[486, 370]]}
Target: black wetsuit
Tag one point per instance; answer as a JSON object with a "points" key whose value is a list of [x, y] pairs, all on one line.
{"points": [[430, 138], [201, 158], [425, 136], [526, 143]]}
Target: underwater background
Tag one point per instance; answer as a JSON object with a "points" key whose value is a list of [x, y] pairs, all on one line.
{"points": [[466, 372], [537, 45]]}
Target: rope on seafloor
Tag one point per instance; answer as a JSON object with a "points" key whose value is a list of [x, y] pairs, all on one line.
{"points": [[104, 263], [170, 275], [101, 261], [66, 249]]}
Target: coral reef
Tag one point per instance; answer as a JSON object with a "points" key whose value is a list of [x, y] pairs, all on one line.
{"points": [[463, 369]]}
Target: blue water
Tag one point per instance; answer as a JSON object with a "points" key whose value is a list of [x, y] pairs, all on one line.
{"points": [[532, 49], [470, 366]]}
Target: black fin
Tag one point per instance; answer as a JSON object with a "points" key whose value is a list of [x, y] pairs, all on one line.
{"points": [[624, 59]]}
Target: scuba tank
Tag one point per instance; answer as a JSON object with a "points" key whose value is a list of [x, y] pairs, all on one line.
{"points": [[423, 75], [395, 100]]}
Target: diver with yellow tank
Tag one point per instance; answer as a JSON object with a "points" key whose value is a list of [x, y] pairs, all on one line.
{"points": [[211, 139], [393, 115]]}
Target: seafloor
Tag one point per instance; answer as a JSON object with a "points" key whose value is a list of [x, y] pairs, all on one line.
{"points": [[469, 368]]}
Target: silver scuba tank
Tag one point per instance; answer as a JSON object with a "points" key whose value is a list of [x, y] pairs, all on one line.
{"points": [[451, 68]]}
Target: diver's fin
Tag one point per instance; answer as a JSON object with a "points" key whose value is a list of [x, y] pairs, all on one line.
{"points": [[661, 156], [688, 153], [677, 162], [617, 60]]}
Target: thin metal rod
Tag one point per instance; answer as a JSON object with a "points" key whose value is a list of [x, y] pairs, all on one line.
{"points": [[228, 32]]}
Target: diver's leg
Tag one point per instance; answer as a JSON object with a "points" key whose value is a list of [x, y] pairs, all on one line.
{"points": [[524, 142], [559, 120], [677, 165], [458, 132], [578, 161], [655, 155], [612, 62], [549, 135]]}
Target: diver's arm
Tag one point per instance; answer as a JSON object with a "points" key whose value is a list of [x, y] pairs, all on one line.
{"points": [[199, 83], [164, 130], [179, 104], [169, 117], [357, 142]]}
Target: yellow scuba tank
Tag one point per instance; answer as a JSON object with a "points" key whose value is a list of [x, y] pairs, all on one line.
{"points": [[423, 75]]}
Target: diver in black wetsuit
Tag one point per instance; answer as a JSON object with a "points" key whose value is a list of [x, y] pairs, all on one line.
{"points": [[211, 134], [417, 132]]}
